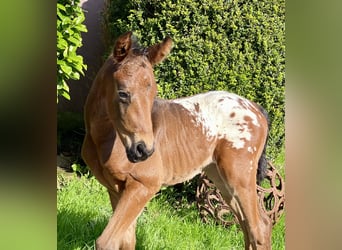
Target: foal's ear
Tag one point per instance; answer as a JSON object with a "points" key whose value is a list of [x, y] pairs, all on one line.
{"points": [[122, 46], [158, 52]]}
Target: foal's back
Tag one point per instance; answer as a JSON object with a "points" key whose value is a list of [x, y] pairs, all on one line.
{"points": [[189, 129]]}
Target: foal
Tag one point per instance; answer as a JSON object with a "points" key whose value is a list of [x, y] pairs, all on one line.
{"points": [[136, 143]]}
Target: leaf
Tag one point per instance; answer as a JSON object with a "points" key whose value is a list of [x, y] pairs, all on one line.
{"points": [[82, 28], [74, 41], [62, 44], [65, 86], [66, 95], [66, 69], [78, 20], [60, 6], [75, 75], [60, 86], [65, 52]]}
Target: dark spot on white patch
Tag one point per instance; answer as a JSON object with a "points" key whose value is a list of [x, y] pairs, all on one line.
{"points": [[197, 107], [242, 103], [247, 118]]}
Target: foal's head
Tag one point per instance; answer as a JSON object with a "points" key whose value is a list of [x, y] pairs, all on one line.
{"points": [[134, 92]]}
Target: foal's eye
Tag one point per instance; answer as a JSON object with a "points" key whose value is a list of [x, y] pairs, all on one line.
{"points": [[124, 96]]}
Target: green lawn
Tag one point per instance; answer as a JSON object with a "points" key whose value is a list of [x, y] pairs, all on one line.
{"points": [[83, 210]]}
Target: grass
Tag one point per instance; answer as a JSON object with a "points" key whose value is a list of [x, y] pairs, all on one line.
{"points": [[162, 227], [83, 210]]}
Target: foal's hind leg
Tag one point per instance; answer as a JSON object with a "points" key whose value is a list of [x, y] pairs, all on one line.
{"points": [[213, 174], [238, 175]]}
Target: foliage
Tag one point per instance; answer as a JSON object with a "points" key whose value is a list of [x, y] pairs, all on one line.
{"points": [[81, 169], [236, 45], [70, 19]]}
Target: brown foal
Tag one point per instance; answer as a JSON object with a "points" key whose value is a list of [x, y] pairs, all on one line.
{"points": [[136, 143]]}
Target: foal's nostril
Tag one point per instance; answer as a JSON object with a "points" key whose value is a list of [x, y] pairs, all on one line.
{"points": [[140, 150]]}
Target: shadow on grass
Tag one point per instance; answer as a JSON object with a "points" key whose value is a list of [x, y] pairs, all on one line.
{"points": [[78, 231]]}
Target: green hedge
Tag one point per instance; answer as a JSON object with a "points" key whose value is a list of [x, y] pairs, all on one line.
{"points": [[70, 18], [237, 46]]}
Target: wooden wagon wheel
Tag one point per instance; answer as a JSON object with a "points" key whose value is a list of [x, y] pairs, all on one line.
{"points": [[271, 199]]}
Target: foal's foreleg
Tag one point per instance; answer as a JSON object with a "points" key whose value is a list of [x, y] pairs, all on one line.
{"points": [[120, 230], [129, 239]]}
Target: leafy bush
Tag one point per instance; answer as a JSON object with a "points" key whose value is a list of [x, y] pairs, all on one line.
{"points": [[69, 27], [236, 45]]}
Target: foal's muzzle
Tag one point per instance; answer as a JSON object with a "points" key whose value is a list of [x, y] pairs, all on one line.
{"points": [[138, 152]]}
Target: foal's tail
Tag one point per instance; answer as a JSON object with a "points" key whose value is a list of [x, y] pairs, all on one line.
{"points": [[262, 164]]}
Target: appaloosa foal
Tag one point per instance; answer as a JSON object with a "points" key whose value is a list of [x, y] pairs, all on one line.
{"points": [[136, 143]]}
